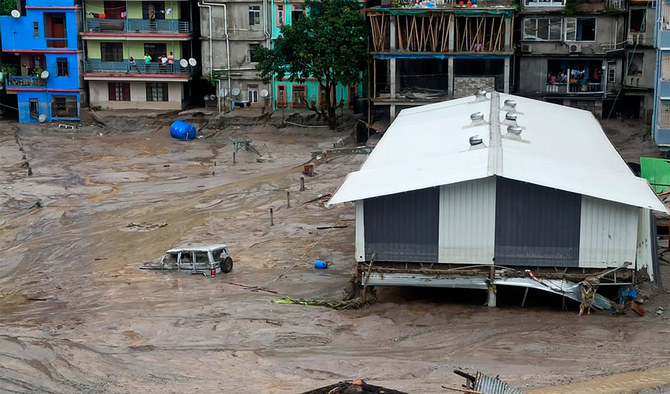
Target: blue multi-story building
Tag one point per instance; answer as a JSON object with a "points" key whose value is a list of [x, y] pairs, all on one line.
{"points": [[44, 36]]}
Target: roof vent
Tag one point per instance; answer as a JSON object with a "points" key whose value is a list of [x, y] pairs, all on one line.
{"points": [[516, 130], [510, 106], [476, 142], [477, 119], [480, 96]]}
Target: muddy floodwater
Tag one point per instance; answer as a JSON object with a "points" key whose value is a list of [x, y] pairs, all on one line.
{"points": [[81, 210]]}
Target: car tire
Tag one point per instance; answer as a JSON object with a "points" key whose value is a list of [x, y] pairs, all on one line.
{"points": [[227, 265]]}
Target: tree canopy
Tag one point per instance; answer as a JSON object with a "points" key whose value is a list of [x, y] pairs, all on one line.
{"points": [[329, 45], [6, 6]]}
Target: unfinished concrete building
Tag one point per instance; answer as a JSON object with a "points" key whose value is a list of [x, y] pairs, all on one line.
{"points": [[230, 33], [640, 72], [572, 53], [423, 55]]}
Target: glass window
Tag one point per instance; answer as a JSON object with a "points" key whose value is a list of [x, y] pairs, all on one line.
{"points": [[201, 259], [111, 51], [542, 29], [299, 96], [251, 55], [580, 29], [61, 63], [157, 91], [254, 15], [665, 67], [64, 106], [280, 15], [119, 91], [635, 63], [34, 108], [297, 13]]}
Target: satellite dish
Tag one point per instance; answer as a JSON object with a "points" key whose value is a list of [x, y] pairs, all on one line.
{"points": [[212, 97], [192, 62], [183, 63], [42, 118], [168, 11], [206, 98], [44, 74], [16, 14], [264, 93], [236, 91]]}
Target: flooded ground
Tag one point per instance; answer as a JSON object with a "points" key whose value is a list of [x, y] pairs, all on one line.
{"points": [[76, 313]]}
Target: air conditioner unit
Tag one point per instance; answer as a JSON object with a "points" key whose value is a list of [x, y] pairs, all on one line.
{"points": [[526, 48], [575, 48]]}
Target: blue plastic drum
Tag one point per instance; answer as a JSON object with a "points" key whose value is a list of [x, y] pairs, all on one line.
{"points": [[182, 130], [318, 264]]}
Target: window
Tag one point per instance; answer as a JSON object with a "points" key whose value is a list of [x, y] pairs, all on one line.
{"points": [[664, 114], [251, 54], [36, 29], [119, 91], [111, 51], [157, 91], [635, 63], [611, 73], [665, 67], [34, 108], [637, 22], [64, 106], [254, 15], [155, 50], [280, 15], [542, 29], [299, 96], [544, 3], [61, 63], [281, 96], [157, 7], [580, 29], [252, 90], [297, 13], [55, 31], [115, 9]]}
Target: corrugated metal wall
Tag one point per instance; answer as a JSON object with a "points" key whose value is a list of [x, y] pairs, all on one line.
{"points": [[467, 222], [402, 227], [536, 225], [607, 233], [360, 232]]}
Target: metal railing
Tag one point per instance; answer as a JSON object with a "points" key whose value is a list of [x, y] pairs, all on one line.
{"points": [[137, 25], [573, 88], [15, 82], [96, 65]]}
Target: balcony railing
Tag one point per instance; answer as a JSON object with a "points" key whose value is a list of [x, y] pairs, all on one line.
{"points": [[98, 66], [137, 25], [22, 82], [573, 88]]}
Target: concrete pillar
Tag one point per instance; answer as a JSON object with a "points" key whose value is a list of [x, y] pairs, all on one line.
{"points": [[392, 65], [450, 75], [492, 296], [508, 34], [506, 75]]}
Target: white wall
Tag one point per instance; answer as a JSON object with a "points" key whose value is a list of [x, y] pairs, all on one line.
{"points": [[607, 234], [99, 92], [467, 222]]}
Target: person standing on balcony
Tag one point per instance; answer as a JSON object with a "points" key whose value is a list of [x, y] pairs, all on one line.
{"points": [[170, 59], [152, 20], [147, 61]]}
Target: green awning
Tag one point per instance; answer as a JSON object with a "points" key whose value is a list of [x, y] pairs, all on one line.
{"points": [[657, 172]]}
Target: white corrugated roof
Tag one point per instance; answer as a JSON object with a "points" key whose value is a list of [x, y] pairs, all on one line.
{"points": [[563, 148]]}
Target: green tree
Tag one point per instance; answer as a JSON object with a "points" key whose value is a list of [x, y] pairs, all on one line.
{"points": [[6, 6], [330, 45]]}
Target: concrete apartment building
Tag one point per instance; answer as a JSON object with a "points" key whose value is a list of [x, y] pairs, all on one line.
{"points": [[640, 71], [116, 31], [230, 33], [661, 118], [43, 36], [572, 53]]}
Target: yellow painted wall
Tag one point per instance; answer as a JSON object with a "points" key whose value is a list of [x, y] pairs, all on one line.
{"points": [[134, 9], [136, 49]]}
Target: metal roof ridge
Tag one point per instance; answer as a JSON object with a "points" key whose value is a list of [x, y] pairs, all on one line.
{"points": [[495, 160]]}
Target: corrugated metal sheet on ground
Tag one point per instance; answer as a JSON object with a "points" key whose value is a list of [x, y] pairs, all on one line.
{"points": [[489, 385], [467, 222], [607, 233], [657, 172]]}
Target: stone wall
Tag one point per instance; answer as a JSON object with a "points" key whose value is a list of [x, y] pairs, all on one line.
{"points": [[468, 86]]}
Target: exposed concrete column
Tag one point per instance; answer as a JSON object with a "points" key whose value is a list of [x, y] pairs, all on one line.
{"points": [[506, 75], [392, 65], [450, 75], [450, 60], [508, 34]]}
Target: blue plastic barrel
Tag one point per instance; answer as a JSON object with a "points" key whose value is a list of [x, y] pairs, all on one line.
{"points": [[320, 264], [182, 130]]}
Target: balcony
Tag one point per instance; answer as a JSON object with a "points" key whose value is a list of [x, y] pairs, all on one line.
{"points": [[137, 26], [98, 66], [23, 82], [573, 88]]}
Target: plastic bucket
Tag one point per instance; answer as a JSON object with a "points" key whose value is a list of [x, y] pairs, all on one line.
{"points": [[318, 264]]}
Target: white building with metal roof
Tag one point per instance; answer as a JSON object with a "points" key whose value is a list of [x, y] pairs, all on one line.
{"points": [[500, 181]]}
